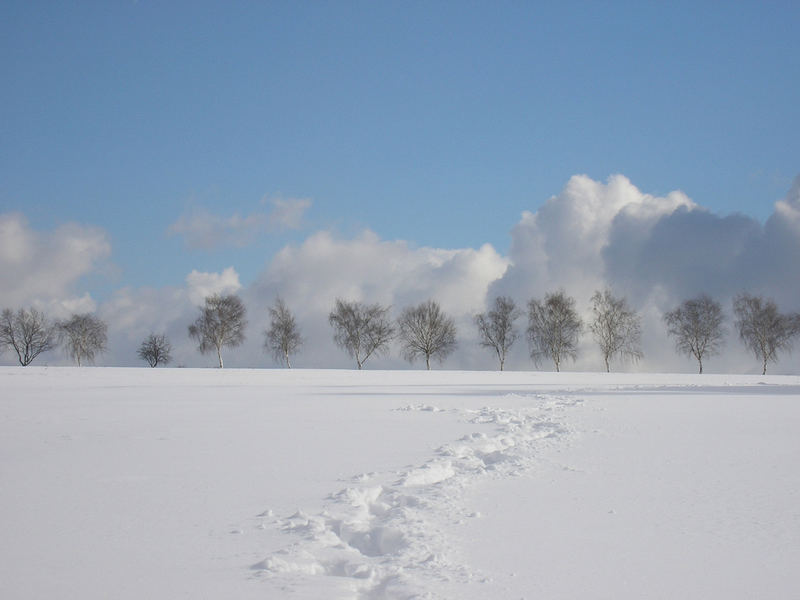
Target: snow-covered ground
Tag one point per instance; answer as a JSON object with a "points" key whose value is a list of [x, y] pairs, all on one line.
{"points": [[178, 483]]}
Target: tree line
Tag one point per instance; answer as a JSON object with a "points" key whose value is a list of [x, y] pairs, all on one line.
{"points": [[427, 333]]}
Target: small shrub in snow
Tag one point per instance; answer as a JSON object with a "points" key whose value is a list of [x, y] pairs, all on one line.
{"points": [[156, 350]]}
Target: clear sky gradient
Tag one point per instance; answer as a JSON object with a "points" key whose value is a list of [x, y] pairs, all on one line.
{"points": [[437, 123]]}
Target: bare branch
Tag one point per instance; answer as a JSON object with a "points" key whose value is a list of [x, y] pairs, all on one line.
{"points": [[156, 350]]}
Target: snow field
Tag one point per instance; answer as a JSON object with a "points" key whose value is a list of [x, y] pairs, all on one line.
{"points": [[134, 483]]}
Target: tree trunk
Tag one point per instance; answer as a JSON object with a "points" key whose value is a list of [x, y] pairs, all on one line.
{"points": [[501, 364], [288, 363], [701, 366], [219, 355], [428, 361], [608, 368], [764, 372]]}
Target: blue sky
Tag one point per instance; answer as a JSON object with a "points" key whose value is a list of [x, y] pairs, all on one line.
{"points": [[432, 122], [437, 123]]}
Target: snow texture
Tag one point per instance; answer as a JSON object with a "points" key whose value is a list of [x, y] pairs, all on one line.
{"points": [[387, 541]]}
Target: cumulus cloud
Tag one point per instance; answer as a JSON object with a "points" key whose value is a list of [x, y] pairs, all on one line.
{"points": [[200, 284], [562, 243], [691, 251], [204, 230], [43, 268], [370, 269]]}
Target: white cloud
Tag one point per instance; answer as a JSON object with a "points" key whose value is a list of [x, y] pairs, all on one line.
{"points": [[788, 209], [288, 213], [200, 285], [203, 230], [43, 268], [561, 244], [370, 269]]}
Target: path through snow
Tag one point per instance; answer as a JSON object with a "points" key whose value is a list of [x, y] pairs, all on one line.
{"points": [[385, 536]]}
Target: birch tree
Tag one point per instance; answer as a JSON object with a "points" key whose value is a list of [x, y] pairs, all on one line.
{"points": [[84, 336], [554, 328], [697, 327], [221, 324], [360, 329], [283, 338], [426, 331], [496, 327], [616, 328], [763, 329], [27, 332]]}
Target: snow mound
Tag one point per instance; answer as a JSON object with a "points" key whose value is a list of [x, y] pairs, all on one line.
{"points": [[434, 472], [420, 408]]}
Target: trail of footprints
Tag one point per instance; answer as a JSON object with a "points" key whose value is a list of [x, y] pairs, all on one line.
{"points": [[373, 542]]}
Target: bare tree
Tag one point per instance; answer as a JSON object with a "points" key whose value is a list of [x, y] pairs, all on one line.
{"points": [[697, 327], [28, 332], [361, 329], [426, 331], [221, 324], [554, 328], [283, 337], [763, 329], [496, 327], [156, 350], [616, 328], [84, 336]]}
